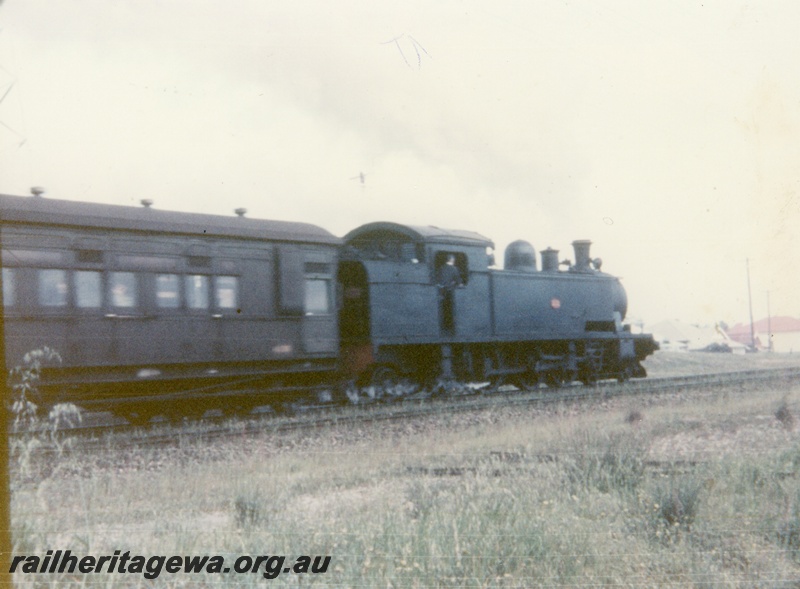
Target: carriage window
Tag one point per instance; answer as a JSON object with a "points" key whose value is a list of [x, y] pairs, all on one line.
{"points": [[9, 288], [168, 291], [53, 288], [122, 288], [197, 291], [88, 291], [226, 292], [317, 296]]}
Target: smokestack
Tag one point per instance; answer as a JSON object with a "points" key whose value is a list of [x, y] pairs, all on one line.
{"points": [[582, 259]]}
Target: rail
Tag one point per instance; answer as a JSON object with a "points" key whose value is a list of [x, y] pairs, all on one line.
{"points": [[449, 399]]}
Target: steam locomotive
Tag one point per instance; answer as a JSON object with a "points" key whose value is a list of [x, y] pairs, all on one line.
{"points": [[158, 312]]}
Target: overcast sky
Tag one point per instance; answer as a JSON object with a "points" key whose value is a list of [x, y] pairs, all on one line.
{"points": [[668, 133]]}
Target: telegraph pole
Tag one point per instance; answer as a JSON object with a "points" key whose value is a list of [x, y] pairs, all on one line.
{"points": [[769, 324], [750, 304]]}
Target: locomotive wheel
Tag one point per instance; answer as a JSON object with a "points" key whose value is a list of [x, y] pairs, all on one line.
{"points": [[625, 373], [554, 380], [450, 388], [284, 408], [497, 381], [526, 381], [387, 382], [379, 381], [345, 393], [177, 414], [383, 376]]}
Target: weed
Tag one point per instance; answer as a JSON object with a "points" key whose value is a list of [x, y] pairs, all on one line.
{"points": [[675, 504], [634, 416], [784, 415], [248, 509], [24, 383], [35, 433], [787, 529]]}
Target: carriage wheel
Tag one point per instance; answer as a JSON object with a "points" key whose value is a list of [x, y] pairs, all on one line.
{"points": [[588, 376], [137, 416]]}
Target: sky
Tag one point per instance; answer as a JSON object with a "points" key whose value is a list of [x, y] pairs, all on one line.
{"points": [[668, 133]]}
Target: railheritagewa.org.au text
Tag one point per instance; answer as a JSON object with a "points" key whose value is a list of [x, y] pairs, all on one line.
{"points": [[151, 567]]}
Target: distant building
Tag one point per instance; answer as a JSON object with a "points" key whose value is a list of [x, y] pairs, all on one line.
{"points": [[784, 332]]}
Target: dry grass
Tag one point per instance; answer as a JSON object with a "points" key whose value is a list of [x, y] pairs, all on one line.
{"points": [[680, 490]]}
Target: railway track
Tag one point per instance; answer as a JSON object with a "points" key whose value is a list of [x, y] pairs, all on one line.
{"points": [[447, 399]]}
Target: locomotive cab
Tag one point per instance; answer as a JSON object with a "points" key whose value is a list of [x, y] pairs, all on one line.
{"points": [[395, 296]]}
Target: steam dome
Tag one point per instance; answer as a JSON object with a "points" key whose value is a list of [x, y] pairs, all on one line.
{"points": [[520, 256]]}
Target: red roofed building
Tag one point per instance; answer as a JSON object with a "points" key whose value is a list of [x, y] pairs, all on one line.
{"points": [[784, 332]]}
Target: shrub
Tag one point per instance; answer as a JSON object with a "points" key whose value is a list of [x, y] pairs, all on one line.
{"points": [[634, 416], [675, 505], [248, 509], [24, 383], [784, 415], [35, 433]]}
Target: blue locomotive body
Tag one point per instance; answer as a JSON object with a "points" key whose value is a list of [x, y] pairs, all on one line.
{"points": [[518, 324]]}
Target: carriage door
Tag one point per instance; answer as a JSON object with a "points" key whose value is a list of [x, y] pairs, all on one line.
{"points": [[354, 319]]}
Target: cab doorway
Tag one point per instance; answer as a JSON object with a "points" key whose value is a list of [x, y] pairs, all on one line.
{"points": [[354, 318]]}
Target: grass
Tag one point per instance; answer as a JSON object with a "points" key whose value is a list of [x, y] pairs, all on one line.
{"points": [[698, 490]]}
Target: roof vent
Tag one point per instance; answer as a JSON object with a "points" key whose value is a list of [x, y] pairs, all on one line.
{"points": [[146, 202], [241, 212], [37, 191]]}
